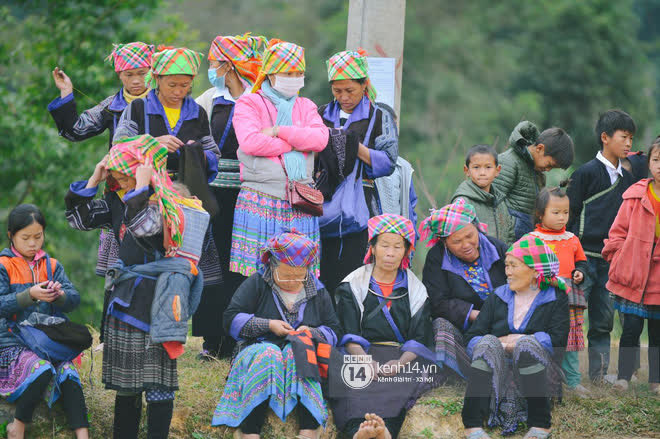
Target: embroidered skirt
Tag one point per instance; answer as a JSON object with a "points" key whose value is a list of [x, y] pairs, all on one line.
{"points": [[20, 367], [449, 347], [625, 306], [576, 333], [260, 372], [132, 363], [507, 405], [257, 218]]}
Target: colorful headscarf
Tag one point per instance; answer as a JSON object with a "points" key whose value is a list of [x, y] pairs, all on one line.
{"points": [[173, 61], [447, 220], [130, 56], [280, 56], [350, 64], [126, 155], [292, 248], [243, 51], [391, 223], [539, 257]]}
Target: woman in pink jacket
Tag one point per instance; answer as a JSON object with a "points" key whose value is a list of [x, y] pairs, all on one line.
{"points": [[634, 278], [276, 130]]}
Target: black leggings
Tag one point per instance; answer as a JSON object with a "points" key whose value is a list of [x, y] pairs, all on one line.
{"points": [[628, 347], [254, 422], [72, 396]]}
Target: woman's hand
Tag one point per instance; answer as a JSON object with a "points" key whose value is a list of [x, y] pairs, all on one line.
{"points": [[509, 341], [45, 292], [364, 154], [170, 142], [578, 277], [279, 327], [100, 173], [271, 132], [143, 175], [303, 328], [389, 369], [473, 315], [63, 82]]}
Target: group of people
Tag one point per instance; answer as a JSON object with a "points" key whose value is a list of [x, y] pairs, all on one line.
{"points": [[211, 212]]}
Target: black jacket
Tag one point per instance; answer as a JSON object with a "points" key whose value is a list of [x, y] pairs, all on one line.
{"points": [[450, 295]]}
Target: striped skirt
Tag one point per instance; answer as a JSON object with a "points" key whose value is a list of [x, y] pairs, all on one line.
{"points": [[260, 372], [132, 363], [626, 306], [256, 219], [449, 348]]}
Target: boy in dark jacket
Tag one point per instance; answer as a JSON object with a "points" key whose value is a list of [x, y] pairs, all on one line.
{"points": [[595, 194], [523, 164]]}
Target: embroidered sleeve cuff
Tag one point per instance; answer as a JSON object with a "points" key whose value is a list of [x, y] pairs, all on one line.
{"points": [[238, 323], [472, 344], [328, 334], [59, 101], [78, 188], [418, 349], [380, 164], [544, 339], [352, 338], [467, 318]]}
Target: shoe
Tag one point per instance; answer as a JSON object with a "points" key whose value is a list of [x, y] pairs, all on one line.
{"points": [[478, 434], [206, 355], [610, 379], [537, 433], [621, 385], [580, 391], [655, 388]]}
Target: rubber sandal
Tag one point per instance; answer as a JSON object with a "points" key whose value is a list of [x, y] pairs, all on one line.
{"points": [[537, 433], [478, 434]]}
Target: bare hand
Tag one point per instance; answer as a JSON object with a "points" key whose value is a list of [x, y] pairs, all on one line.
{"points": [[578, 276], [42, 292], [473, 315], [279, 328], [100, 173], [63, 82], [270, 132], [390, 368], [143, 175], [170, 142], [302, 328]]}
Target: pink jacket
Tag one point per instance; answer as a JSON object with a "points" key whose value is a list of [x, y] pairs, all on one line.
{"points": [[634, 264], [260, 166]]}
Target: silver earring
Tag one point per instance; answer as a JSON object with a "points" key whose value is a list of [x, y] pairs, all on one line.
{"points": [[533, 286]]}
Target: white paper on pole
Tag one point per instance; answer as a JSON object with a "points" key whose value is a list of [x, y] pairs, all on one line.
{"points": [[381, 74]]}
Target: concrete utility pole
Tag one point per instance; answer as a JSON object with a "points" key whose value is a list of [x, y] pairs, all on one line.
{"points": [[377, 26]]}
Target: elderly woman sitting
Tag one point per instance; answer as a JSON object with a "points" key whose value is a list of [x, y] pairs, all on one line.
{"points": [[525, 321], [383, 310], [275, 307], [461, 271]]}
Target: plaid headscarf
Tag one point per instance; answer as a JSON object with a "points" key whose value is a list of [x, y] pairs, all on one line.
{"points": [[243, 51], [173, 61], [351, 65], [447, 220], [280, 56], [292, 248], [539, 257], [126, 155], [130, 56], [391, 223]]}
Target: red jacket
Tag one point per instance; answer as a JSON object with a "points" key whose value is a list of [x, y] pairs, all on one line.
{"points": [[634, 264]]}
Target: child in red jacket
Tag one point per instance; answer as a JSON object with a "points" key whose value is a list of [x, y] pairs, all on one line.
{"points": [[634, 277]]}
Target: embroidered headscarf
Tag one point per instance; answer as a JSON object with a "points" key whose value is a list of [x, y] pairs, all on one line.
{"points": [[243, 51], [291, 248], [172, 61], [280, 56], [539, 257], [130, 56], [350, 64], [447, 220], [391, 223], [126, 155]]}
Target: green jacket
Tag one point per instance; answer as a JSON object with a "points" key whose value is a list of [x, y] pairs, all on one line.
{"points": [[491, 209], [519, 182]]}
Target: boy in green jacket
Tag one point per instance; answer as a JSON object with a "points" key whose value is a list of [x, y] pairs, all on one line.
{"points": [[481, 168], [523, 164]]}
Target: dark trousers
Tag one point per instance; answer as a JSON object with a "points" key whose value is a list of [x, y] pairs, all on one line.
{"points": [[393, 425], [340, 257], [522, 223], [254, 422], [632, 328], [72, 399], [601, 319], [534, 386]]}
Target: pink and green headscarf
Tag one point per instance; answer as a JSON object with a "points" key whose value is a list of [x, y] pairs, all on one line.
{"points": [[391, 223], [243, 51], [173, 61], [448, 220], [279, 57], [131, 56], [126, 155], [350, 64], [539, 257], [291, 248]]}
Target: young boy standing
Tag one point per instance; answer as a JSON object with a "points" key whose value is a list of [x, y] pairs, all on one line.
{"points": [[481, 168], [523, 164], [595, 192]]}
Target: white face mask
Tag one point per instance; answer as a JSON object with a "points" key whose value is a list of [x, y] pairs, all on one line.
{"points": [[288, 86]]}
